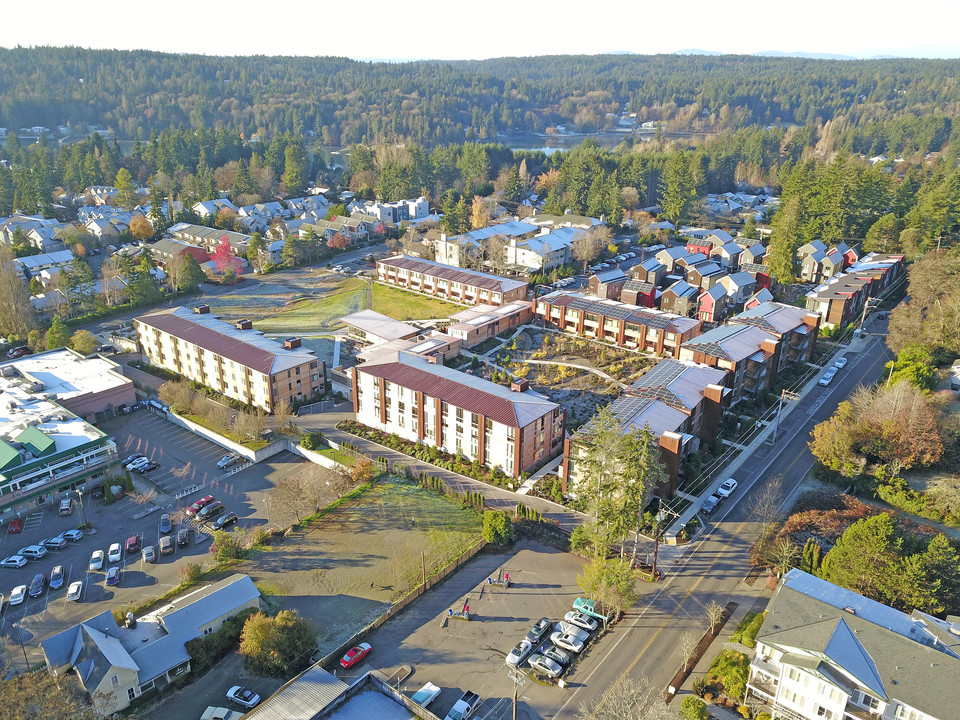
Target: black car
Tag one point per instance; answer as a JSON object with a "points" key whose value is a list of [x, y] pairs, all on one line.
{"points": [[211, 511], [539, 630], [224, 520], [149, 467], [38, 585], [96, 492], [183, 536]]}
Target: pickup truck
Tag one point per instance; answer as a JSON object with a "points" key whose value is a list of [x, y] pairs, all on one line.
{"points": [[426, 695], [588, 607], [465, 707], [220, 713]]}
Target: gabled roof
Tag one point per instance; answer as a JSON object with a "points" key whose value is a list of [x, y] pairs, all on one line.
{"points": [[683, 289], [622, 311], [474, 394], [635, 412], [773, 317], [453, 274], [731, 342], [609, 276], [678, 383], [640, 286], [738, 279], [716, 292]]}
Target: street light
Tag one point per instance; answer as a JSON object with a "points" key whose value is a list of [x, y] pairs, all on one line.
{"points": [[83, 517], [20, 637]]}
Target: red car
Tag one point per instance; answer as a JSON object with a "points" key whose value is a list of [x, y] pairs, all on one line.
{"points": [[355, 655], [199, 505], [133, 544], [16, 526]]}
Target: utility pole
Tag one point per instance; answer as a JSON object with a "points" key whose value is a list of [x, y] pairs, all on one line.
{"points": [[518, 679], [776, 428]]}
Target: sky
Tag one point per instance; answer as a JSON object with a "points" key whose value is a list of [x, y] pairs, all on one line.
{"points": [[452, 30]]}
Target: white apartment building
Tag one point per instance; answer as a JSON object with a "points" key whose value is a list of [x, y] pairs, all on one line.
{"points": [[424, 402], [827, 653], [233, 359]]}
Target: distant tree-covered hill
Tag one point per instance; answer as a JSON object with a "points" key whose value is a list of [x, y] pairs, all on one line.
{"points": [[432, 103]]}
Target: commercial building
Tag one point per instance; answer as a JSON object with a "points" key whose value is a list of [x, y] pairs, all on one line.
{"points": [[469, 287], [409, 395], [827, 653], [45, 448], [118, 663], [233, 359], [627, 326]]}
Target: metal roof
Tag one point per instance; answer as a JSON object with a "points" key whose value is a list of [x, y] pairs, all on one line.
{"points": [[379, 325], [732, 342], [303, 698], [474, 394], [678, 383], [453, 274]]}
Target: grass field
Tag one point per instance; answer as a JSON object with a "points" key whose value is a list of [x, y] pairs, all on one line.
{"points": [[320, 314], [346, 569], [405, 305]]}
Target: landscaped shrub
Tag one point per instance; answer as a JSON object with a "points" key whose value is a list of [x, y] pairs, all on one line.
{"points": [[497, 528], [742, 626], [312, 441], [693, 708], [207, 650], [729, 671], [749, 637]]}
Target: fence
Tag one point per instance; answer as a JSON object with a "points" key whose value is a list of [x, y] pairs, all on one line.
{"points": [[401, 604]]}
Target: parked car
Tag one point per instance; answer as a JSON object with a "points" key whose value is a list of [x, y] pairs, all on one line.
{"points": [[38, 586], [14, 561], [355, 655], [183, 536], [132, 458], [113, 575], [243, 696], [16, 526], [545, 665], [55, 543], [227, 460], [566, 628], [727, 488], [539, 629], [73, 535], [149, 554], [567, 641], [96, 492], [580, 620], [114, 553], [133, 544], [519, 653], [149, 467], [75, 590], [106, 349], [166, 545], [96, 560], [199, 505], [710, 504], [18, 595], [840, 363], [19, 352], [561, 657], [165, 524], [57, 577], [33, 552], [211, 511], [221, 522], [828, 377]]}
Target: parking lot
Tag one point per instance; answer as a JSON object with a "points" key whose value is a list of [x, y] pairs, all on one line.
{"points": [[185, 458], [457, 655]]}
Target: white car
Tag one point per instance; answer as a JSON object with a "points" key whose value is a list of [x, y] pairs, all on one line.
{"points": [[519, 653], [243, 696], [580, 620], [18, 594], [114, 553], [566, 628], [840, 363], [545, 665], [828, 377], [75, 590], [96, 560], [567, 641], [728, 487]]}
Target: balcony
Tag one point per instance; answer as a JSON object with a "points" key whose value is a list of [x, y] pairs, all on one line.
{"points": [[859, 713]]}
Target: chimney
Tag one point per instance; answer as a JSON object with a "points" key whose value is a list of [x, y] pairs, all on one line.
{"points": [[291, 343], [519, 385], [244, 324], [201, 309]]}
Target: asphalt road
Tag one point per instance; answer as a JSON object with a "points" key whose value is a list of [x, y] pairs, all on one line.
{"points": [[713, 568]]}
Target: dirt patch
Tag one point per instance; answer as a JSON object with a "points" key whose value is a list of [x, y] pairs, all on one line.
{"points": [[348, 568]]}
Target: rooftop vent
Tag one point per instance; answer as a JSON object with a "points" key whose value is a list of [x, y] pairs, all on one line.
{"points": [[131, 620], [201, 309], [244, 324], [291, 343], [850, 610]]}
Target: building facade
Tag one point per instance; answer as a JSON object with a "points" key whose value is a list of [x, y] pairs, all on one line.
{"points": [[233, 359], [427, 403], [468, 287]]}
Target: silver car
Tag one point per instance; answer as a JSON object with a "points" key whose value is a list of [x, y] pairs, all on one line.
{"points": [[545, 665], [516, 656]]}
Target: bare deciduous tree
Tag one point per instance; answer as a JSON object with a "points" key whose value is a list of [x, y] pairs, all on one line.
{"points": [[287, 499], [714, 614], [687, 643], [766, 511], [783, 556], [627, 699], [283, 414]]}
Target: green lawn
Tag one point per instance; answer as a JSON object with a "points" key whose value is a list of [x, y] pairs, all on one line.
{"points": [[405, 305], [318, 314]]}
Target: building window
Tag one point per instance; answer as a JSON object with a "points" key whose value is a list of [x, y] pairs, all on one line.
{"points": [[131, 694], [207, 631], [905, 713], [824, 713], [115, 682]]}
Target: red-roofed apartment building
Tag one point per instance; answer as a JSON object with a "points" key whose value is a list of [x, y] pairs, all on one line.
{"points": [[233, 359], [409, 395]]}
